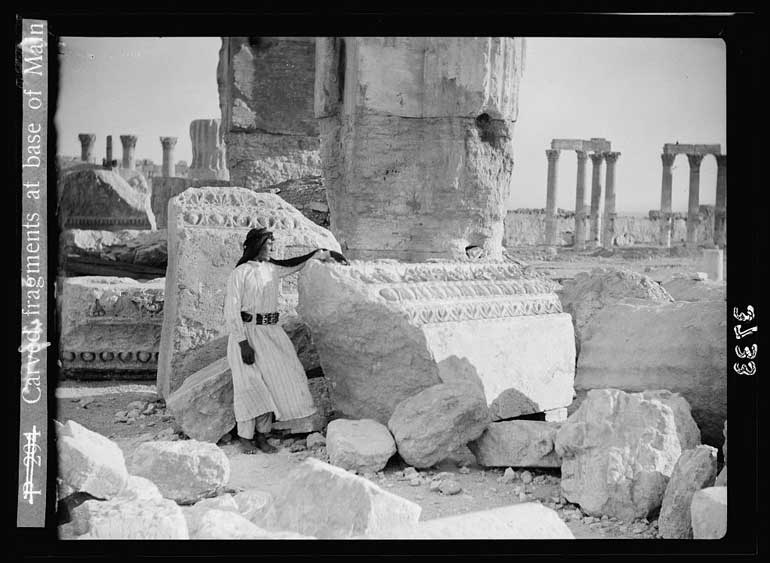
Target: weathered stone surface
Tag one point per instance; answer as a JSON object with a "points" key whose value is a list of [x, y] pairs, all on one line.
{"points": [[687, 288], [226, 525], [92, 197], [307, 194], [163, 189], [390, 193], [299, 334], [721, 480], [416, 325], [89, 462], [183, 471], [253, 504], [110, 325], [517, 443], [126, 247], [359, 445], [694, 470], [677, 346], [709, 513], [194, 513], [209, 154], [329, 502], [266, 95], [526, 521], [123, 519], [437, 420], [138, 488], [619, 449], [206, 230]]}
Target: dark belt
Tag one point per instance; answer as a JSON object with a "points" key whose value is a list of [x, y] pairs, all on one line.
{"points": [[260, 319]]}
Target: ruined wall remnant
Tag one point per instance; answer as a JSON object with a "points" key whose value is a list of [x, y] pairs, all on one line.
{"points": [[266, 98], [209, 155], [416, 141]]}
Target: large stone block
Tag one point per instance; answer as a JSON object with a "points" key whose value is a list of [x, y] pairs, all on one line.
{"points": [[517, 443], [92, 197], [145, 250], [184, 471], [709, 513], [619, 450], [110, 325], [328, 502], [429, 426], [694, 470], [164, 188], [89, 462], [226, 525], [206, 230], [122, 519], [678, 346], [385, 331], [525, 521], [359, 445]]}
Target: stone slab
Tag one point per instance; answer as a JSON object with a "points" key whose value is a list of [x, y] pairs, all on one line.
{"points": [[517, 443], [121, 519]]}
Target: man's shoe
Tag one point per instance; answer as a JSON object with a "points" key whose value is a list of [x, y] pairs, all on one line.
{"points": [[261, 441]]}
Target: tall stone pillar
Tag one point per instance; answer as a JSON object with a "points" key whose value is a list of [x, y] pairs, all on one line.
{"points": [[580, 201], [109, 149], [209, 157], [665, 199], [416, 142], [87, 141], [720, 208], [129, 144], [551, 221], [596, 197], [609, 199], [693, 202], [167, 169]]}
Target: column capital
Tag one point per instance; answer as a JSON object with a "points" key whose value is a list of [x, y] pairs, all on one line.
{"points": [[168, 142], [611, 157], [581, 155], [552, 154], [597, 158], [87, 137], [128, 140], [694, 160], [667, 159], [721, 159]]}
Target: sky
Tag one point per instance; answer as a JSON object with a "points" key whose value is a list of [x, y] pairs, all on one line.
{"points": [[637, 93]]}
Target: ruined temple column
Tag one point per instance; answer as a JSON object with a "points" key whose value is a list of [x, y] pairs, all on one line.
{"points": [[720, 207], [551, 221], [580, 201], [609, 199], [665, 199], [167, 169], [87, 141], [693, 202], [109, 149], [129, 144], [596, 197], [209, 160]]}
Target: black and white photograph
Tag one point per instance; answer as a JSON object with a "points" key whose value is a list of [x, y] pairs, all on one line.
{"points": [[392, 286]]}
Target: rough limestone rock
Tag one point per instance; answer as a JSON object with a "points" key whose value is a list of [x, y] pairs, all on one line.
{"points": [[194, 513], [124, 247], [110, 325], [139, 488], [206, 230], [686, 288], [216, 524], [517, 443], [306, 194], [184, 471], [709, 513], [384, 331], [525, 521], [253, 504], [359, 445], [619, 450], [721, 480], [92, 197], [694, 470], [678, 346], [266, 94], [391, 194], [328, 502], [430, 425], [89, 462], [121, 519]]}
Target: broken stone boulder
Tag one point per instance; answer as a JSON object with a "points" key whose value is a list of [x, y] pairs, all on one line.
{"points": [[110, 325], [216, 524], [124, 519], [525, 521], [517, 443], [619, 450], [328, 502], [89, 462], [126, 247], [253, 504], [139, 488], [686, 288], [385, 331], [184, 471], [678, 346], [206, 229], [359, 445], [695, 470], [708, 512], [721, 480], [430, 425]]}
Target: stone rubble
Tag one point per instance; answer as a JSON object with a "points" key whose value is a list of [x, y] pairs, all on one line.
{"points": [[129, 519], [708, 512], [517, 443], [360, 445]]}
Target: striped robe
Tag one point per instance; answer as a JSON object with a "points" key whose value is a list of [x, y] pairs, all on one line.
{"points": [[276, 380]]}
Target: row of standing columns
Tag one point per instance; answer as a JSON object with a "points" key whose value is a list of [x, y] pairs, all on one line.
{"points": [[597, 235], [87, 141]]}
